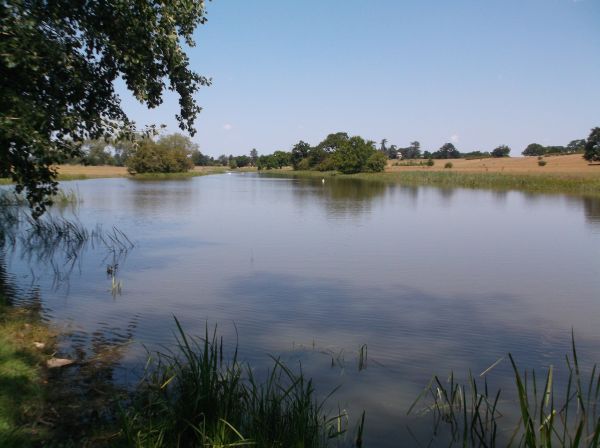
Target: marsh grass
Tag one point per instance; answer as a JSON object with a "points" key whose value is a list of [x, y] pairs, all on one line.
{"points": [[68, 197], [193, 396], [536, 182], [176, 176], [547, 415], [63, 198]]}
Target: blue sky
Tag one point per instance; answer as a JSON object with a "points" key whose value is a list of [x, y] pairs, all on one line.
{"points": [[476, 73]]}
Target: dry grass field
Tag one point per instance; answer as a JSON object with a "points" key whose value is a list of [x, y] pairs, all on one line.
{"points": [[91, 172], [572, 165]]}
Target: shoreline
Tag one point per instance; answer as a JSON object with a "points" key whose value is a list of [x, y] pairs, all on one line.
{"points": [[568, 174], [532, 183]]}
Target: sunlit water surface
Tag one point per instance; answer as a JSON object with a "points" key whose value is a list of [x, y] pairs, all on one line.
{"points": [[428, 280]]}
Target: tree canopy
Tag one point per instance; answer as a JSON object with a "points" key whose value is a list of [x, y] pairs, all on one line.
{"points": [[447, 151], [501, 151], [592, 146], [58, 64]]}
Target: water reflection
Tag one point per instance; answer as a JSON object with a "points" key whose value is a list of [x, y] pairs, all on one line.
{"points": [[430, 280], [591, 208]]}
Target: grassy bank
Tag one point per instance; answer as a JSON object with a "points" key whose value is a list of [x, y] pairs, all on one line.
{"points": [[22, 375], [80, 172], [538, 183]]}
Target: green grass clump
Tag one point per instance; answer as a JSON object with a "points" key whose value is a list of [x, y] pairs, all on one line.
{"points": [[193, 397], [22, 392], [547, 416], [67, 197]]}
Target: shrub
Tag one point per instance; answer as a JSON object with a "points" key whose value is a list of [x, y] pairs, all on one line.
{"points": [[430, 162], [303, 165], [377, 162], [542, 162], [327, 165], [448, 165]]}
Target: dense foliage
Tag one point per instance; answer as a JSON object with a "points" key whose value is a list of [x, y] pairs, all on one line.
{"points": [[338, 151], [592, 146], [447, 151], [535, 149], [501, 151], [170, 154], [58, 64]]}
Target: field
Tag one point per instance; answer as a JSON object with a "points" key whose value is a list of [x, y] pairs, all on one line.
{"points": [[571, 165], [72, 172]]}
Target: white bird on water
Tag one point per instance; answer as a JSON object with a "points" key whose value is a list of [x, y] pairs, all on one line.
{"points": [[323, 180]]}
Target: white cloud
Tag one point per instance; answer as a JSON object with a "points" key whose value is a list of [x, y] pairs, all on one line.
{"points": [[227, 127], [454, 138]]}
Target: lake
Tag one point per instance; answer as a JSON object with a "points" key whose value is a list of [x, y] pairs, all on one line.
{"points": [[425, 280]]}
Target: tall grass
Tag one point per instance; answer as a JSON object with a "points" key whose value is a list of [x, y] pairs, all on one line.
{"points": [[540, 183], [548, 416], [193, 396], [65, 198]]}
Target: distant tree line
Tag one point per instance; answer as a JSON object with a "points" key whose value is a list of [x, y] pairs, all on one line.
{"points": [[574, 147], [338, 151], [167, 154]]}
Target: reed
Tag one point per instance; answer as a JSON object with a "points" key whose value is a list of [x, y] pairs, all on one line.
{"points": [[538, 183], [66, 197], [193, 395], [548, 416]]}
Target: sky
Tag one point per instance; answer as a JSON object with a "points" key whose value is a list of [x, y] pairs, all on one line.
{"points": [[475, 73]]}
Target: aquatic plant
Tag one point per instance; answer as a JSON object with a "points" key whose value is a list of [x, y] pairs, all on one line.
{"points": [[547, 416], [193, 396]]}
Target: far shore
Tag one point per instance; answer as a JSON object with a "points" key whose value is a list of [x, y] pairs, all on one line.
{"points": [[569, 174]]}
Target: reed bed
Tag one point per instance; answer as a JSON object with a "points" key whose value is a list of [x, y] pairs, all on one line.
{"points": [[469, 415], [192, 396], [536, 183]]}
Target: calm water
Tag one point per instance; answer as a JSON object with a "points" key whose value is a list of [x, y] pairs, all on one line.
{"points": [[431, 280]]}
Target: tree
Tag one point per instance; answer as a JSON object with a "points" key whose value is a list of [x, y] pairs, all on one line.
{"points": [[200, 159], [447, 151], [95, 153], [382, 146], [242, 161], [534, 149], [412, 152], [575, 146], [170, 154], [333, 141], [58, 64], [501, 151], [123, 150], [592, 146], [352, 155], [299, 152], [253, 156]]}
